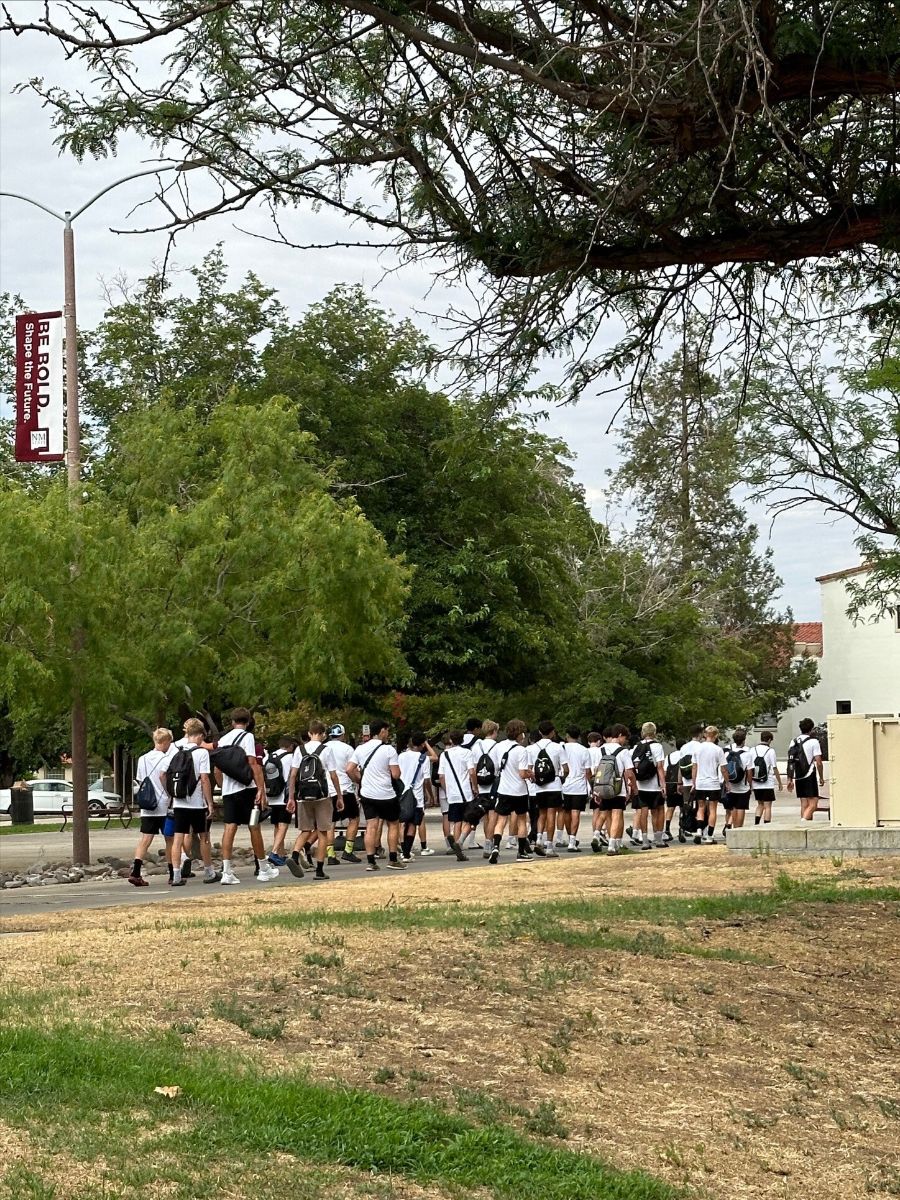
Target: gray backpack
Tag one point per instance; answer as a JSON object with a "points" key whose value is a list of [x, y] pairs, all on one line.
{"points": [[607, 781]]}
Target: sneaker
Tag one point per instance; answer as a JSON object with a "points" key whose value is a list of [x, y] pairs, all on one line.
{"points": [[573, 849], [682, 837], [612, 854], [295, 869], [697, 839], [706, 840], [372, 866], [405, 860], [380, 852], [487, 853], [317, 878], [310, 861], [424, 853], [511, 843], [529, 857], [560, 845], [351, 857], [138, 881], [187, 870], [228, 877], [595, 844], [267, 874], [645, 845], [277, 860], [332, 860], [667, 837], [540, 851], [214, 878], [177, 882], [494, 855], [396, 866]]}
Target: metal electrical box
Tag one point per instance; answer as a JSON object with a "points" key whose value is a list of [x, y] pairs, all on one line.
{"points": [[864, 753]]}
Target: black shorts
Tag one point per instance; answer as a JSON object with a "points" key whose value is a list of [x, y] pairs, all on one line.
{"points": [[737, 800], [808, 788], [613, 803], [486, 800], [764, 795], [350, 810], [507, 805], [152, 825], [456, 811], [191, 820], [279, 815], [574, 803], [650, 799], [710, 796], [548, 799], [237, 807], [381, 810]]}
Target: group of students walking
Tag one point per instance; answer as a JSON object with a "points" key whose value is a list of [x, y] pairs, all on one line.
{"points": [[531, 788]]}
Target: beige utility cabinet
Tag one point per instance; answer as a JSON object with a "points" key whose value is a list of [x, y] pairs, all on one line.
{"points": [[865, 770]]}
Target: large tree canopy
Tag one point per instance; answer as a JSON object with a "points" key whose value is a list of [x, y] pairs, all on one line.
{"points": [[618, 154]]}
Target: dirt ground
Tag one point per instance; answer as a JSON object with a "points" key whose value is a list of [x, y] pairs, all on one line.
{"points": [[742, 1080]]}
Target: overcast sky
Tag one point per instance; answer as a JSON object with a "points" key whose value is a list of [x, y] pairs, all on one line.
{"points": [[804, 543]]}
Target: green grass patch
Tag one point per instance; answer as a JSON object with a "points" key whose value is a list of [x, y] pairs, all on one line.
{"points": [[246, 1017], [77, 1086], [48, 827]]}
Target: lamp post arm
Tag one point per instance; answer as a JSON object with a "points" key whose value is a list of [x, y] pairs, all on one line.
{"points": [[109, 187], [37, 204]]}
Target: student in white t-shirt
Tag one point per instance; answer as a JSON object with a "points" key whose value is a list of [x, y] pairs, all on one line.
{"points": [[737, 798], [648, 759], [766, 777], [315, 799], [153, 820], [811, 777], [456, 773], [512, 771], [375, 769], [480, 750], [548, 795], [415, 766], [686, 820], [342, 752], [599, 818], [278, 809], [194, 812], [709, 777], [621, 787], [240, 799], [576, 785]]}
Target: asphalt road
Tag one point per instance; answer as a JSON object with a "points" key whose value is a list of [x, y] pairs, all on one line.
{"points": [[21, 850]]}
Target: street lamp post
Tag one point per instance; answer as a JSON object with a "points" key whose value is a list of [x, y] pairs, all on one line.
{"points": [[81, 849]]}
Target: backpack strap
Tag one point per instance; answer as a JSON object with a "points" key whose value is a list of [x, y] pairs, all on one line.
{"points": [[362, 769], [419, 764], [453, 769]]}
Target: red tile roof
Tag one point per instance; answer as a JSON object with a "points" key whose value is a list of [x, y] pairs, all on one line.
{"points": [[845, 573], [808, 633]]}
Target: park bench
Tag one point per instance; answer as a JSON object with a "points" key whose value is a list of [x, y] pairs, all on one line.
{"points": [[122, 809]]}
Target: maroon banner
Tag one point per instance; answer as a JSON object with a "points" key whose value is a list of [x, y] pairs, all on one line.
{"points": [[40, 419]]}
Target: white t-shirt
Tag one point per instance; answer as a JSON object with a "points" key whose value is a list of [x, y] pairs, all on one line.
{"points": [[342, 753], [409, 765], [476, 748], [511, 782], [766, 753], [579, 760], [458, 788], [557, 757], [596, 753], [150, 764], [658, 755], [622, 755], [375, 761], [688, 750], [747, 757], [245, 739], [326, 757], [709, 760], [812, 750], [201, 767]]}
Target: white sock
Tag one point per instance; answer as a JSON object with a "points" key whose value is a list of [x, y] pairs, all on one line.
{"points": [[657, 836], [185, 858], [176, 873], [226, 866]]}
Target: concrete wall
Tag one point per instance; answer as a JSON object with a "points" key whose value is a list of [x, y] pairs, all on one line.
{"points": [[860, 663]]}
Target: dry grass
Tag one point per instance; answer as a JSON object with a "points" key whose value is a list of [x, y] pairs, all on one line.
{"points": [[741, 1080]]}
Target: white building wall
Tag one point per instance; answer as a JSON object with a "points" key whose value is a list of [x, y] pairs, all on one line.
{"points": [[860, 663]]}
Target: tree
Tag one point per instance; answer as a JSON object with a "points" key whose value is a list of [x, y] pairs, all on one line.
{"points": [[589, 160], [831, 416], [681, 464]]}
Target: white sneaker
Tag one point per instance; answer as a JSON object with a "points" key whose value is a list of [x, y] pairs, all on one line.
{"points": [[266, 874], [707, 840], [426, 852], [228, 877], [511, 843]]}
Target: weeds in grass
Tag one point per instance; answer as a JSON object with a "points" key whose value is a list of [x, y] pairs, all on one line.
{"points": [[384, 1075], [231, 1009], [545, 1122], [317, 959], [731, 1013], [810, 1077], [552, 1063]]}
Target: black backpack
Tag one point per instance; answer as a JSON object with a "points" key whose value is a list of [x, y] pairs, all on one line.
{"points": [[544, 770], [146, 796], [231, 759], [642, 761], [181, 777], [797, 765], [274, 775], [672, 770], [312, 782], [734, 765], [760, 766], [485, 771]]}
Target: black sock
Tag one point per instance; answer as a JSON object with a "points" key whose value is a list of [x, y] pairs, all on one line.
{"points": [[407, 846], [393, 855], [295, 855], [423, 843], [136, 869], [767, 821], [171, 872], [668, 826], [523, 846], [498, 838], [320, 868], [757, 819], [371, 859]]}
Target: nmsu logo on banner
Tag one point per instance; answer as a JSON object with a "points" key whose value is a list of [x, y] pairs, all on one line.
{"points": [[39, 387]]}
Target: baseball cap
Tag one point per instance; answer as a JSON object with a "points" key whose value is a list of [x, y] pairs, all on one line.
{"points": [[336, 731]]}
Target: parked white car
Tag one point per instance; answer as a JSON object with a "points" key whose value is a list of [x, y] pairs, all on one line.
{"points": [[52, 796]]}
